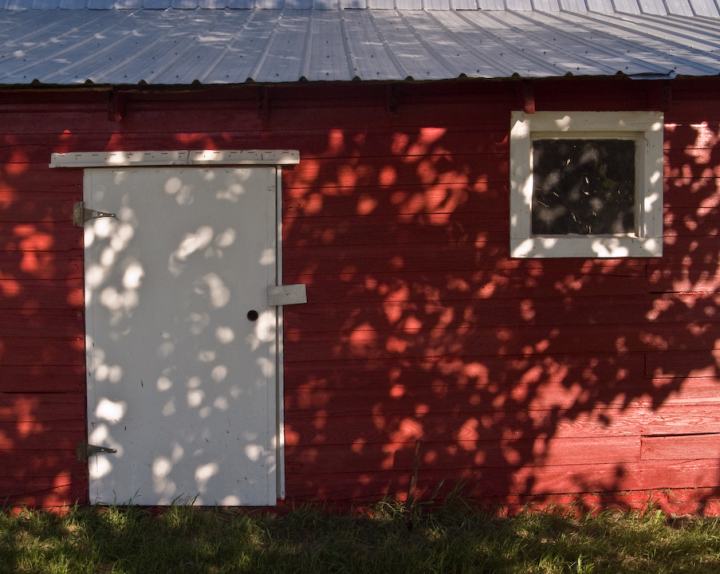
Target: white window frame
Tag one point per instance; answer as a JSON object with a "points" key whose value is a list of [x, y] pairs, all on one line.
{"points": [[646, 128]]}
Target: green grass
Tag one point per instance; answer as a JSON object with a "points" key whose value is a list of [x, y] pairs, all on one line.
{"points": [[455, 537]]}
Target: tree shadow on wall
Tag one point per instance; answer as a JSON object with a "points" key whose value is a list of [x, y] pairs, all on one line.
{"points": [[42, 359], [524, 378]]}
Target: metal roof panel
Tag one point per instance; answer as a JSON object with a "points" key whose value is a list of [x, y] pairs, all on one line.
{"points": [[147, 4], [212, 4], [381, 4], [546, 5], [602, 6], [299, 4], [491, 4], [464, 4], [522, 5], [489, 54], [640, 48], [504, 48], [270, 4], [326, 4], [246, 51], [679, 7], [652, 7], [409, 55], [573, 5], [569, 52], [284, 59], [368, 54], [627, 6], [98, 4], [128, 4], [324, 61], [704, 8], [409, 4], [437, 4]]}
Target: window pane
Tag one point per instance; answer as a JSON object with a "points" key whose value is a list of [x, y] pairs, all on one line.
{"points": [[586, 187]]}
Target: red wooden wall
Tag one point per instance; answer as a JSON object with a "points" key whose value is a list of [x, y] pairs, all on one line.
{"points": [[525, 378]]}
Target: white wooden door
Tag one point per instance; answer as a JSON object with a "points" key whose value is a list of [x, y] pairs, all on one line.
{"points": [[181, 343]]}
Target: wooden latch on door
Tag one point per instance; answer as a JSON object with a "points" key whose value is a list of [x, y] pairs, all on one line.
{"points": [[81, 214], [286, 295], [85, 450]]}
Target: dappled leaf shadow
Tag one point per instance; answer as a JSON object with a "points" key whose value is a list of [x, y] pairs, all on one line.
{"points": [[524, 378]]}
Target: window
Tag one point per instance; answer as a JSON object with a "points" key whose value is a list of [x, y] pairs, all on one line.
{"points": [[586, 184]]}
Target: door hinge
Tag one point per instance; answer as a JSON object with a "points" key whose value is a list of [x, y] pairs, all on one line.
{"points": [[81, 214], [85, 450]]}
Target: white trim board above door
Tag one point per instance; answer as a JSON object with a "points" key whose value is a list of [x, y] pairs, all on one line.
{"points": [[177, 157], [184, 345]]}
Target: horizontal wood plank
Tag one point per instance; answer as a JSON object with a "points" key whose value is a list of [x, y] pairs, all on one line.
{"points": [[453, 396], [683, 419], [55, 439], [31, 208], [688, 277], [683, 392], [45, 492], [589, 478], [365, 342], [42, 351], [369, 267], [42, 295], [45, 430], [463, 454], [43, 463], [32, 265], [40, 236], [424, 305], [449, 375], [691, 192], [378, 427], [42, 179], [699, 446], [45, 323], [672, 364], [463, 266], [407, 202], [43, 379], [390, 231], [33, 408]]}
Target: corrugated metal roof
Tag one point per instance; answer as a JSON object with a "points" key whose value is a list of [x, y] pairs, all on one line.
{"points": [[219, 46]]}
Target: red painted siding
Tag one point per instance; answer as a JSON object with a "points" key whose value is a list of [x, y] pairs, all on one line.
{"points": [[523, 378]]}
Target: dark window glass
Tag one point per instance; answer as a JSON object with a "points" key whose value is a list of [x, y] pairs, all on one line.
{"points": [[586, 187]]}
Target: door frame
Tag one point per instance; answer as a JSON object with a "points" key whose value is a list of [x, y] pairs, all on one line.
{"points": [[205, 158]]}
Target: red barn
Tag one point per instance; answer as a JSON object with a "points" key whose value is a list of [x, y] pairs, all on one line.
{"points": [[492, 227]]}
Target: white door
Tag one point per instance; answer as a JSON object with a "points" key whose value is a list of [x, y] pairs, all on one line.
{"points": [[181, 343]]}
